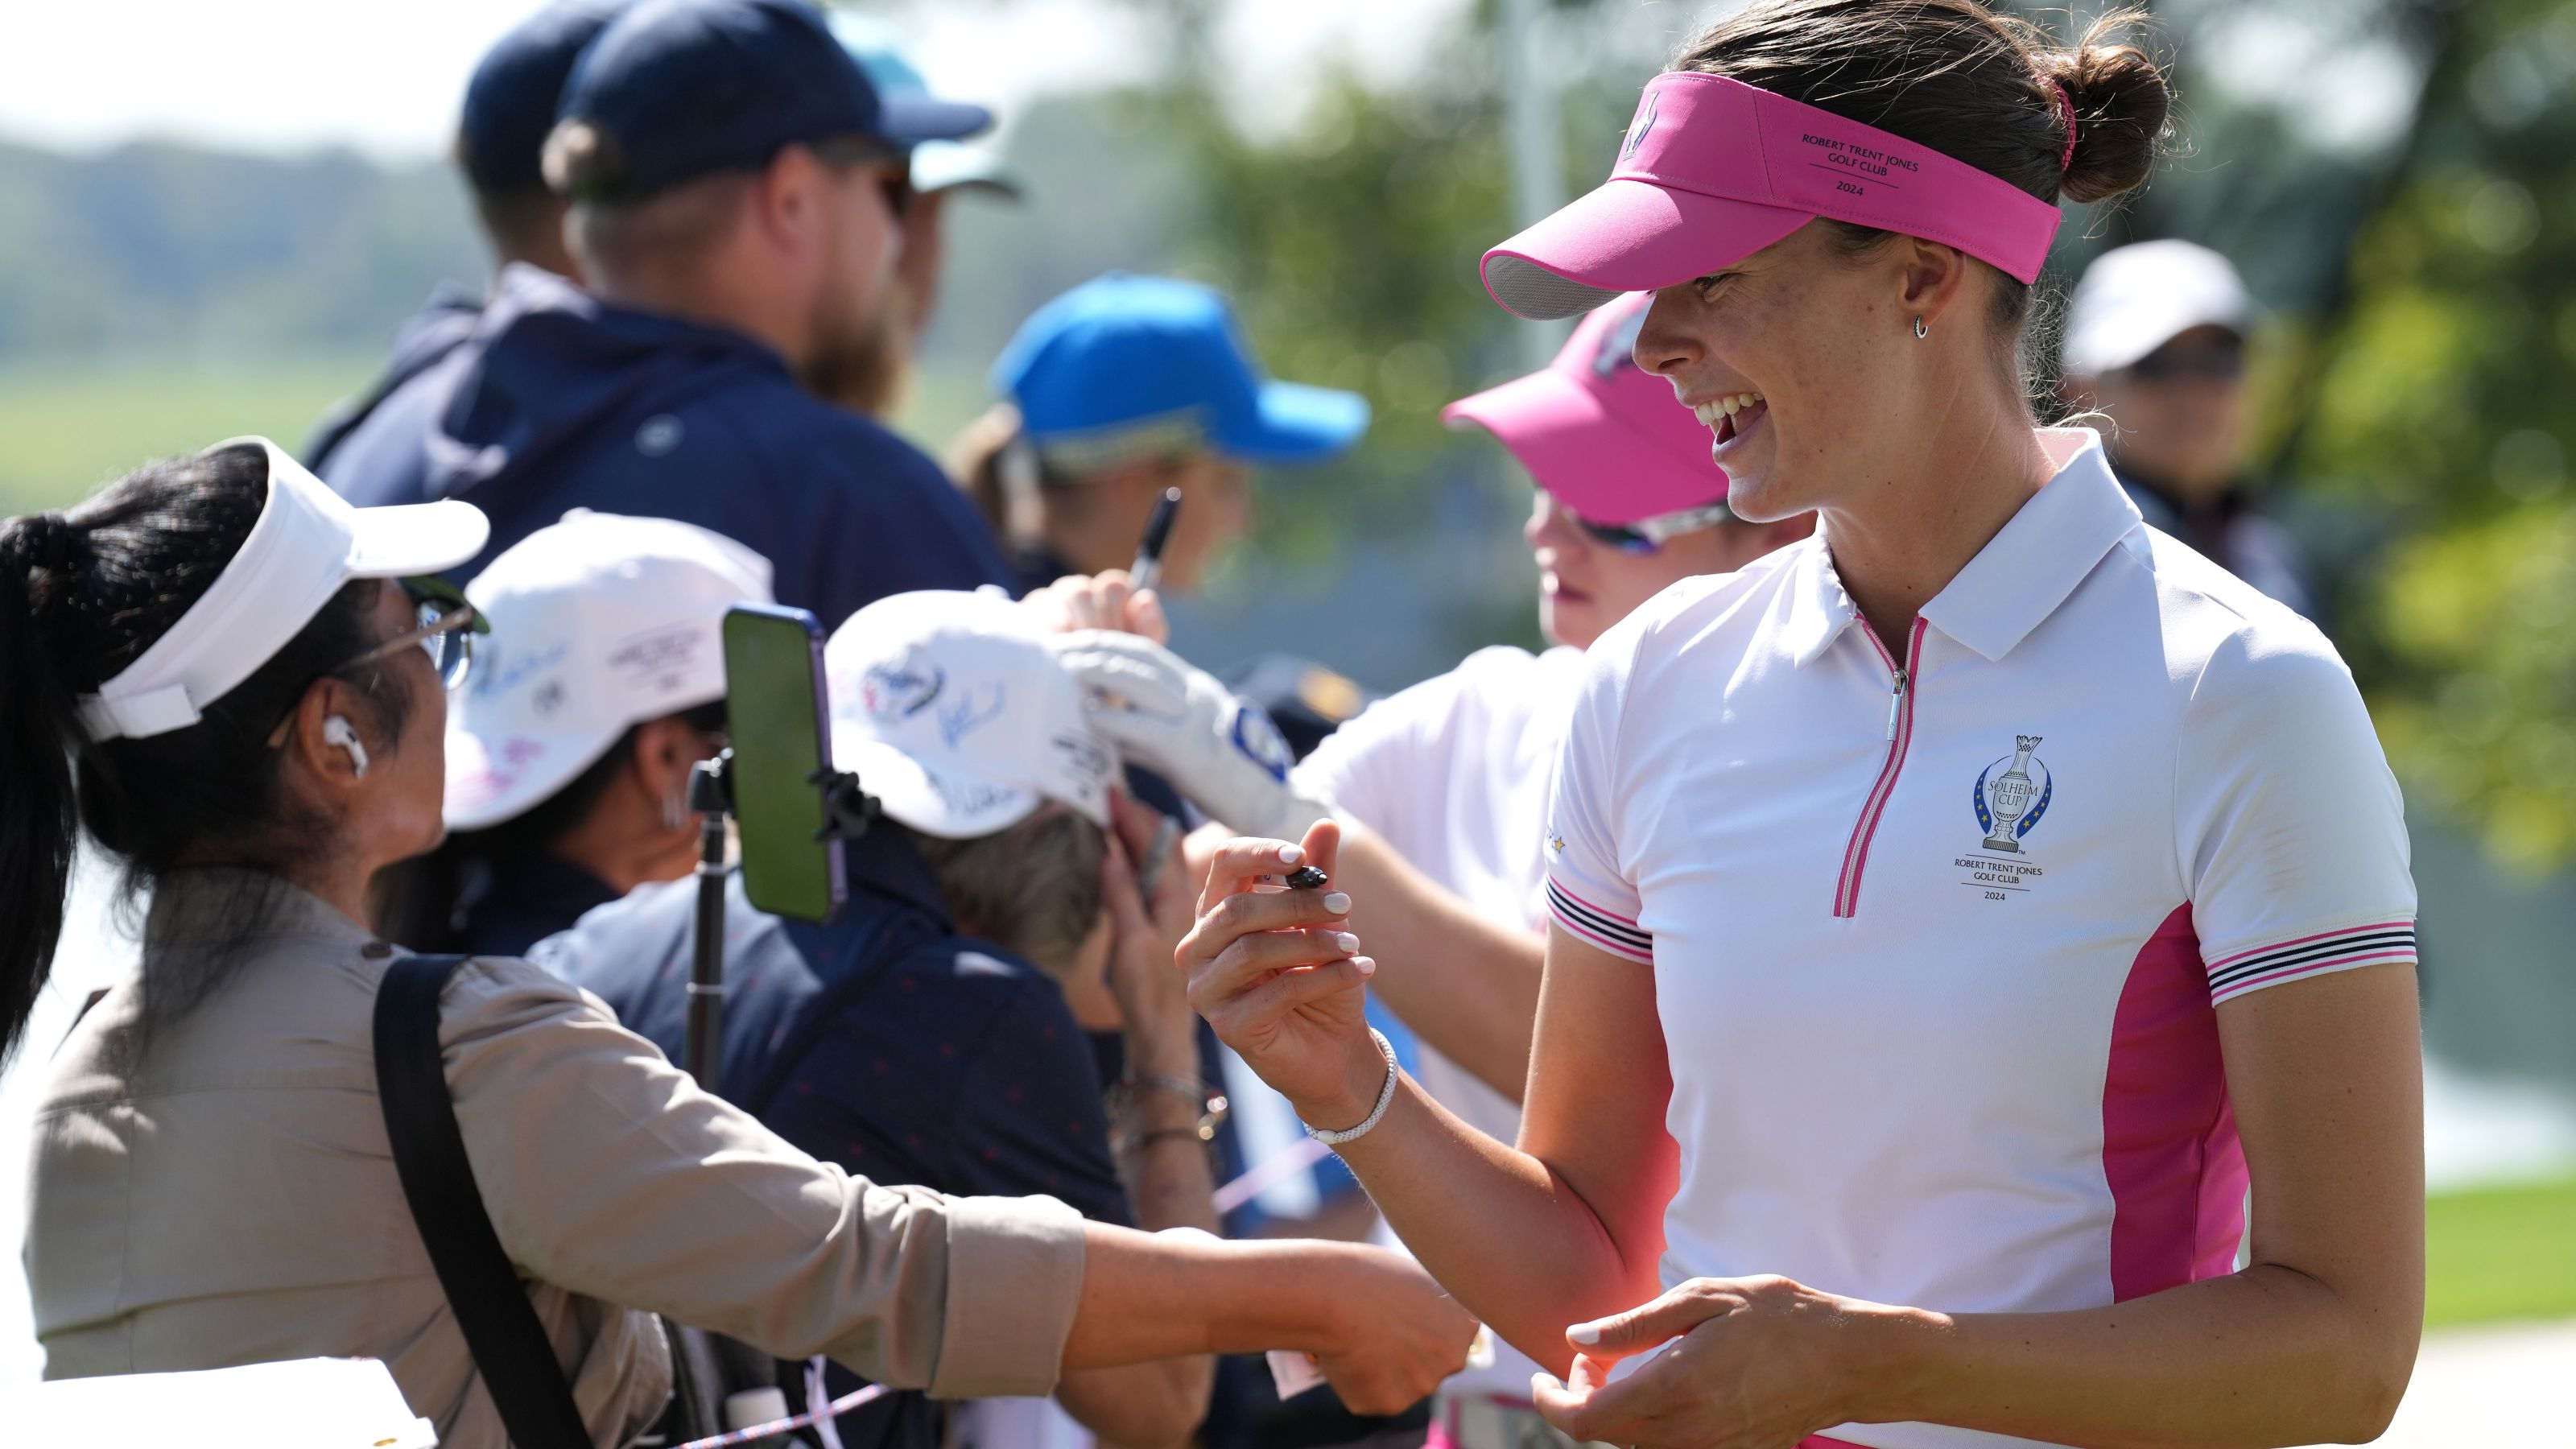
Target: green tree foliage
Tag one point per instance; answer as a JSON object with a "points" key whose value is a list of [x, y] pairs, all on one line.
{"points": [[2443, 396]]}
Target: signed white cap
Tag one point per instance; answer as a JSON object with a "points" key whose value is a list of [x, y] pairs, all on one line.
{"points": [[953, 712], [599, 623], [307, 543]]}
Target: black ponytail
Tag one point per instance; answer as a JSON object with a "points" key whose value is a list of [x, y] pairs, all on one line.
{"points": [[83, 594], [39, 556]]}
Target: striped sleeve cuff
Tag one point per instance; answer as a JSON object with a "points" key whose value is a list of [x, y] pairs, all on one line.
{"points": [[1613, 933], [2306, 956]]}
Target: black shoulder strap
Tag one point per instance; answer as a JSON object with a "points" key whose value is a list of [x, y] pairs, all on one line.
{"points": [[501, 1329]]}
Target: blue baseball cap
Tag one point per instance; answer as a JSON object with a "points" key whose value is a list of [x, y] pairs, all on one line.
{"points": [[936, 165], [510, 102], [1121, 350], [678, 89]]}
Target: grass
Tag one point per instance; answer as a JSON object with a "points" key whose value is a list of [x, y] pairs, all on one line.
{"points": [[65, 429], [2500, 1253]]}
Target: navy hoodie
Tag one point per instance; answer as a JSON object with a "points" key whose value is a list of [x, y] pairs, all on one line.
{"points": [[557, 401]]}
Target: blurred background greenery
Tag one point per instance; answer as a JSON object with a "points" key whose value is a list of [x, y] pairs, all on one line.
{"points": [[2397, 178]]}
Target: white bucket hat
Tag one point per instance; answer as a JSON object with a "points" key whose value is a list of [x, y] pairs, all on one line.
{"points": [[307, 543], [2135, 299], [599, 623], [955, 715]]}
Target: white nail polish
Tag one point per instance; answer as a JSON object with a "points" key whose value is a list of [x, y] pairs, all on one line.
{"points": [[1290, 855], [1584, 1333], [1338, 902], [1368, 967], [1348, 944]]}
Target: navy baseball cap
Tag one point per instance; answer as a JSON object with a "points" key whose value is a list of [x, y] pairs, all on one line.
{"points": [[510, 102], [1120, 351], [678, 89]]}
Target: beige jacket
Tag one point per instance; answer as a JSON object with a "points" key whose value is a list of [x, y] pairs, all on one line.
{"points": [[218, 1190]]}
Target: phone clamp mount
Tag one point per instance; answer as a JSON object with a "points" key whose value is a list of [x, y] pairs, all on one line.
{"points": [[848, 811]]}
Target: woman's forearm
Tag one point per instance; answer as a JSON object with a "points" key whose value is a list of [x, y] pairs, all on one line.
{"points": [[1517, 1245], [1383, 1333], [2267, 1356], [1464, 983]]}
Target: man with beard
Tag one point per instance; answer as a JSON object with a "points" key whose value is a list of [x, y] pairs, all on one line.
{"points": [[736, 184]]}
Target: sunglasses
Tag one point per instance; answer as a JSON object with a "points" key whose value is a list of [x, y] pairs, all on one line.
{"points": [[1648, 534], [894, 167], [446, 628], [2222, 363]]}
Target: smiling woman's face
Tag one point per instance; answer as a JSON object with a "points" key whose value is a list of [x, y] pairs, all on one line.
{"points": [[1801, 358]]}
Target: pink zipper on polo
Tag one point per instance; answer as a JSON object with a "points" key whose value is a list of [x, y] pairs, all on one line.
{"points": [[1900, 733]]}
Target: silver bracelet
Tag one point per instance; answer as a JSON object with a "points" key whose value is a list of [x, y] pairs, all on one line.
{"points": [[1385, 1095]]}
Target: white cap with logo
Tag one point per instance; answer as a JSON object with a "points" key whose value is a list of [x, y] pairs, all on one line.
{"points": [[954, 713], [2137, 298], [307, 543], [599, 623]]}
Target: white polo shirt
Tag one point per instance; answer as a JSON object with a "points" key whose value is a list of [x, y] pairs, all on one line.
{"points": [[1936, 952]]}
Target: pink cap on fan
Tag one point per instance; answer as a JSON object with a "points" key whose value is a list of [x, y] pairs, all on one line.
{"points": [[1713, 170], [1602, 434]]}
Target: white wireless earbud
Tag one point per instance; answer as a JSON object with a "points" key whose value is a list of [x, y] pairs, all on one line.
{"points": [[336, 730]]}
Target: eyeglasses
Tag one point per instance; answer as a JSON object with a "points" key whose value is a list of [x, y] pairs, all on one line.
{"points": [[448, 625], [1648, 534]]}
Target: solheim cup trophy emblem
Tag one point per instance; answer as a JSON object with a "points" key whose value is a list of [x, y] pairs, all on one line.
{"points": [[2006, 798]]}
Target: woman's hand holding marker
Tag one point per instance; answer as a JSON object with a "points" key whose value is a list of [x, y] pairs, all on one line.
{"points": [[1279, 975]]}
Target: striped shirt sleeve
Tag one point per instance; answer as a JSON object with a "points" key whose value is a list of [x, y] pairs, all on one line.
{"points": [[2294, 831], [2326, 951], [1588, 895]]}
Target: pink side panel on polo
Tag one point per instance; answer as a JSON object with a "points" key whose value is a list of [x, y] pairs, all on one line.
{"points": [[2169, 1148]]}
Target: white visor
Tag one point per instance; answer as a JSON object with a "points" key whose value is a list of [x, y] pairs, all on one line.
{"points": [[307, 543]]}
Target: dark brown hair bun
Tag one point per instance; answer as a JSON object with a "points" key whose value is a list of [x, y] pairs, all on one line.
{"points": [[2121, 103]]}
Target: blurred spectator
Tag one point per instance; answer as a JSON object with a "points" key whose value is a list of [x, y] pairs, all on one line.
{"points": [[568, 754], [500, 143], [1122, 388], [2155, 339], [877, 374], [934, 1032], [735, 182]]}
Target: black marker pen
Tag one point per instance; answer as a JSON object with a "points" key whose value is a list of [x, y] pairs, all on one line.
{"points": [[1148, 568]]}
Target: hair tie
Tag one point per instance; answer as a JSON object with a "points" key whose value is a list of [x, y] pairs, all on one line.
{"points": [[2066, 106]]}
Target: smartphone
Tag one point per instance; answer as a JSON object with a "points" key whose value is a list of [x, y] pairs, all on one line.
{"points": [[782, 748]]}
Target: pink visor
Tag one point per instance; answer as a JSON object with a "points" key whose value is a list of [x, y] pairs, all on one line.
{"points": [[1714, 170], [1606, 437]]}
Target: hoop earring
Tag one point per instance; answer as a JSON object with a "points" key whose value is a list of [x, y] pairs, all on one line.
{"points": [[1920, 331]]}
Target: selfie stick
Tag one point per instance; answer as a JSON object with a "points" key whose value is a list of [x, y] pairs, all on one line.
{"points": [[711, 796], [848, 811]]}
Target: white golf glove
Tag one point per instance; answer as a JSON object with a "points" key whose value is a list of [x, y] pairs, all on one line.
{"points": [[1178, 721]]}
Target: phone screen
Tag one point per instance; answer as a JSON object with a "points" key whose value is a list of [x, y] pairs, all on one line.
{"points": [[781, 739]]}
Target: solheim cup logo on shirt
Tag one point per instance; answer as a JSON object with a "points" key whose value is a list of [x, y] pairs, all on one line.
{"points": [[2011, 796]]}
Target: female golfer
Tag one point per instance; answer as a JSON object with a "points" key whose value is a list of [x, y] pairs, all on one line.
{"points": [[237, 684], [1952, 914]]}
